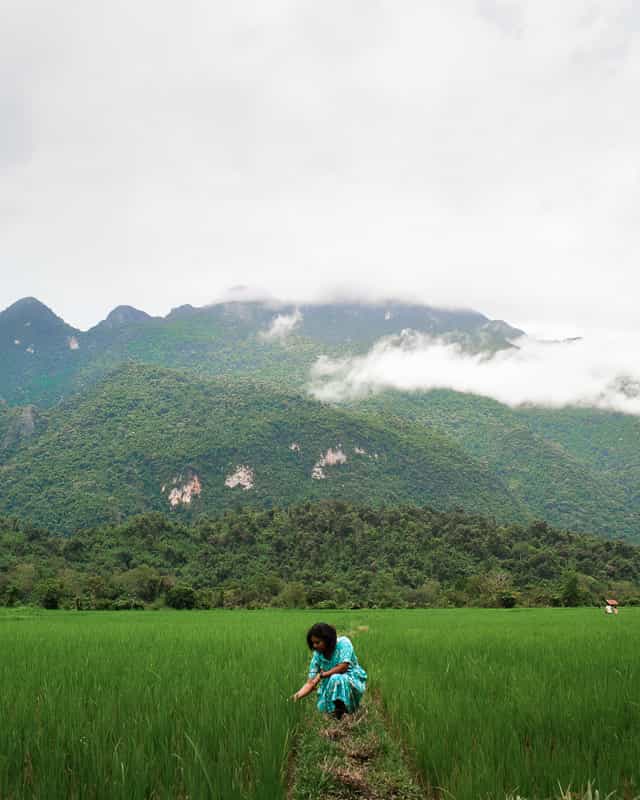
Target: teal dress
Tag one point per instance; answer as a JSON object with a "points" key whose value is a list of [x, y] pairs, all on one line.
{"points": [[348, 687]]}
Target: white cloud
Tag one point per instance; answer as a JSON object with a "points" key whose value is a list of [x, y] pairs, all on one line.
{"points": [[585, 372], [282, 325], [470, 153]]}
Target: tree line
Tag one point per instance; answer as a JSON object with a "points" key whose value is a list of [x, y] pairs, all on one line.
{"points": [[327, 554]]}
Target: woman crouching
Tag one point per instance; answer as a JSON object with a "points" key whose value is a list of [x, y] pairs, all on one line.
{"points": [[334, 671]]}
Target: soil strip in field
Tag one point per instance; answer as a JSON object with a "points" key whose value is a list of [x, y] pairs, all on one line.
{"points": [[348, 759]]}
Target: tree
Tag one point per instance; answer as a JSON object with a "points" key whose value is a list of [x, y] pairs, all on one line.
{"points": [[293, 595], [182, 595], [143, 582], [570, 593], [507, 600], [429, 594], [50, 594], [487, 589]]}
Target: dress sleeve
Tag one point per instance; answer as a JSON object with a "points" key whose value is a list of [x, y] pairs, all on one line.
{"points": [[314, 667], [345, 653]]}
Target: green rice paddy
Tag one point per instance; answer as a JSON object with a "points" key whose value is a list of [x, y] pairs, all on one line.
{"points": [[525, 702], [195, 704]]}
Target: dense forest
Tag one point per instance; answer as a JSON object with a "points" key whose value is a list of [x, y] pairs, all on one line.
{"points": [[99, 426], [321, 555], [122, 447]]}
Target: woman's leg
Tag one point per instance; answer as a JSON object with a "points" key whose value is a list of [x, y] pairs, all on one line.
{"points": [[336, 688]]}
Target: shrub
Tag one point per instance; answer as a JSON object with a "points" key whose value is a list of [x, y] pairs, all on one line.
{"points": [[205, 598], [507, 600], [127, 604], [570, 593], [293, 595], [50, 594], [182, 595]]}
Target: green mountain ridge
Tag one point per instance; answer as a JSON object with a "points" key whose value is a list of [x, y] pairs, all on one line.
{"points": [[554, 469], [146, 438], [575, 468], [225, 338]]}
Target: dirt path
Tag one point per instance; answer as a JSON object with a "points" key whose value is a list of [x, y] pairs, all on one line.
{"points": [[356, 757]]}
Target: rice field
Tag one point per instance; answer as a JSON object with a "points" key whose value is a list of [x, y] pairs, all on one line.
{"points": [[194, 704], [529, 702], [146, 705]]}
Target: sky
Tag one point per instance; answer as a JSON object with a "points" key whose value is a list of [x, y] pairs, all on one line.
{"points": [[476, 153]]}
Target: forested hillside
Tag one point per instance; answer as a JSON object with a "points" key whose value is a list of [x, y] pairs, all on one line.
{"points": [[145, 413], [153, 439], [577, 468], [324, 554]]}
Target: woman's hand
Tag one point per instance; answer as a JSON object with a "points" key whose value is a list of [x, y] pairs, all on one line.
{"points": [[309, 686]]}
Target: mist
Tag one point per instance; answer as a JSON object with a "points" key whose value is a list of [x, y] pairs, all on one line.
{"points": [[282, 326], [601, 372]]}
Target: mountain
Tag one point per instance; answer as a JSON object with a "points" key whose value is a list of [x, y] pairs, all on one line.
{"points": [[64, 412], [607, 443], [124, 315], [149, 439], [37, 353], [235, 338], [6, 419], [575, 468], [362, 324], [17, 426]]}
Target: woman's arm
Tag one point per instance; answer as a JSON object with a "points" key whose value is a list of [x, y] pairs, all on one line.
{"points": [[308, 687], [340, 669], [311, 684]]}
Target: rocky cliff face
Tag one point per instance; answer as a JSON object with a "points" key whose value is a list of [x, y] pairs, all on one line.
{"points": [[20, 428]]}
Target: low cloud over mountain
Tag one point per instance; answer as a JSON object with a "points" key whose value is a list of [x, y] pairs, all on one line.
{"points": [[282, 325], [600, 372]]}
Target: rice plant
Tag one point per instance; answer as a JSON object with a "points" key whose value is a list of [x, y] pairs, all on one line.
{"points": [[490, 704], [147, 705], [521, 702]]}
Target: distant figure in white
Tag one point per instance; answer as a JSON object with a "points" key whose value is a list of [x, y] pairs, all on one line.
{"points": [[611, 607]]}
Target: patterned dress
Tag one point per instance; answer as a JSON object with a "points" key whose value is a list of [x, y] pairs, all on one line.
{"points": [[348, 687]]}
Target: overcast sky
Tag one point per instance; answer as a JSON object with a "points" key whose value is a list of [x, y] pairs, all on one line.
{"points": [[479, 153]]}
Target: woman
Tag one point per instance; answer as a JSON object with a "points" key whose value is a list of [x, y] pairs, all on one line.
{"points": [[334, 671]]}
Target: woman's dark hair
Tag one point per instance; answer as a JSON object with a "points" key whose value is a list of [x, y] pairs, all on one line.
{"points": [[324, 631]]}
